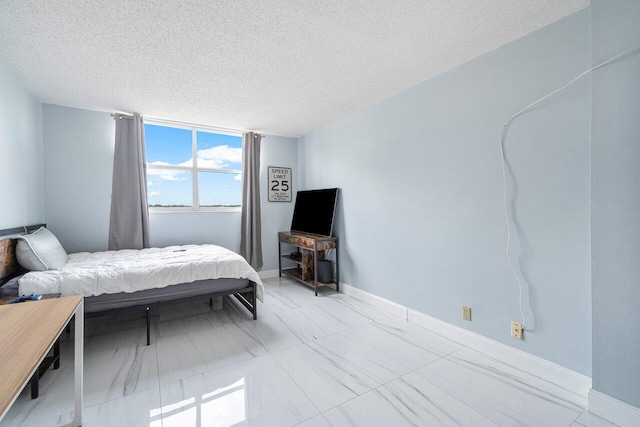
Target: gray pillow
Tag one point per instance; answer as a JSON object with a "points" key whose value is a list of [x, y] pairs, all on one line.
{"points": [[10, 289], [40, 251]]}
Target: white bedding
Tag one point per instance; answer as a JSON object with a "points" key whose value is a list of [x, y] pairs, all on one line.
{"points": [[97, 273]]}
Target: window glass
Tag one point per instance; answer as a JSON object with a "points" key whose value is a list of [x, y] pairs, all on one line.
{"points": [[169, 188], [174, 177], [219, 151], [168, 146], [220, 189]]}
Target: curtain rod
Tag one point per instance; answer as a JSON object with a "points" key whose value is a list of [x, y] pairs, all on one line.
{"points": [[173, 122]]}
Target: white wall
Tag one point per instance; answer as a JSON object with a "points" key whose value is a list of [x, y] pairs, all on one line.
{"points": [[21, 154], [79, 163], [420, 216]]}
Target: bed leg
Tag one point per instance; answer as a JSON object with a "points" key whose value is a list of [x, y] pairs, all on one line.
{"points": [[255, 302], [210, 302], [148, 326]]}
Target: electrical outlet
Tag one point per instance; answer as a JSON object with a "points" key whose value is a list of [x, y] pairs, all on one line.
{"points": [[516, 330], [466, 313]]}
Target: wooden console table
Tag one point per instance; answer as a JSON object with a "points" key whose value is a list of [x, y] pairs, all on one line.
{"points": [[28, 332], [313, 250]]}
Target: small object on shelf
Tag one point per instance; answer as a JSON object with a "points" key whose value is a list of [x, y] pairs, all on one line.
{"points": [[296, 255], [325, 271], [23, 298]]}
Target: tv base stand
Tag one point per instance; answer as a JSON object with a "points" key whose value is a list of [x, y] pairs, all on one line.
{"points": [[313, 250]]}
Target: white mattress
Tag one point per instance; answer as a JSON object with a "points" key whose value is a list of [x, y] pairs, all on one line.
{"points": [[98, 273]]}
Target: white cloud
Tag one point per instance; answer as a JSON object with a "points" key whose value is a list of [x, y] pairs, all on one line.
{"points": [[166, 174], [149, 183], [155, 193], [219, 157]]}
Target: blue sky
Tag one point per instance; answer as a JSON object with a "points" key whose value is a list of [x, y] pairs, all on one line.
{"points": [[173, 146]]}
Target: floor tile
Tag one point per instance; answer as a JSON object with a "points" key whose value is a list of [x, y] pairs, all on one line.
{"points": [[286, 283], [310, 323], [108, 374], [587, 419], [294, 296], [119, 372], [120, 331], [195, 352], [317, 421], [255, 392], [360, 307], [332, 353], [379, 366], [407, 401], [269, 330], [56, 398], [231, 312], [344, 314], [407, 343], [328, 377], [503, 393], [180, 325], [136, 410]]}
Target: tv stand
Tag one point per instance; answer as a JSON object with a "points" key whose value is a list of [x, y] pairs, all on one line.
{"points": [[313, 250]]}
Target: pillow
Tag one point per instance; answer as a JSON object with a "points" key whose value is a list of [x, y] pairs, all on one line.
{"points": [[10, 289], [40, 251]]}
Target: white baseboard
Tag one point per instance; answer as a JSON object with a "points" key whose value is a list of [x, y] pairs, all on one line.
{"points": [[268, 274], [566, 378], [612, 409], [376, 301]]}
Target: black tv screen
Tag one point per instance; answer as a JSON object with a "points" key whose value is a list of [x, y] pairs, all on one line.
{"points": [[314, 210]]}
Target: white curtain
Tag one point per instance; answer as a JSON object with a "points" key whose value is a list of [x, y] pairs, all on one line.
{"points": [[251, 230], [129, 222]]}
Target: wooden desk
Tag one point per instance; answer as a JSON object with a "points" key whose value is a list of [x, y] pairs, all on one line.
{"points": [[28, 332]]}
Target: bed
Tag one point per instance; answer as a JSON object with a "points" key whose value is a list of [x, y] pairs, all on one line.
{"points": [[117, 281]]}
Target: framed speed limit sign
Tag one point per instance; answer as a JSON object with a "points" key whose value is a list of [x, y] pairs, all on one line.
{"points": [[279, 184]]}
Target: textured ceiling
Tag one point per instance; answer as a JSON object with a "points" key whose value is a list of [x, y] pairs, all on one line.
{"points": [[281, 67]]}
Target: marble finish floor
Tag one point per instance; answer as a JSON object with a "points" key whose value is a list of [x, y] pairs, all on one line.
{"points": [[307, 361]]}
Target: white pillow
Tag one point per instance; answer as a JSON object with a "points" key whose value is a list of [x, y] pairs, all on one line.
{"points": [[40, 251]]}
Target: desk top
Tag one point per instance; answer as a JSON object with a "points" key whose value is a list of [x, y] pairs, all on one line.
{"points": [[27, 333]]}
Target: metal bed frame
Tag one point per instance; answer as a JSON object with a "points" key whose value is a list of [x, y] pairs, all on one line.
{"points": [[247, 296]]}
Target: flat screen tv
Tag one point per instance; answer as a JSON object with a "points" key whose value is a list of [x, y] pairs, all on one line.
{"points": [[314, 211]]}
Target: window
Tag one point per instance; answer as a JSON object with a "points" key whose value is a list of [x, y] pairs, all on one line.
{"points": [[192, 168]]}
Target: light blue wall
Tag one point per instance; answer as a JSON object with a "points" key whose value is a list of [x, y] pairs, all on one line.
{"points": [[78, 168], [79, 163], [276, 216], [420, 216], [615, 202], [21, 154]]}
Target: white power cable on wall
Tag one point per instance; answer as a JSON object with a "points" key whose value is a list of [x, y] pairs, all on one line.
{"points": [[504, 168]]}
